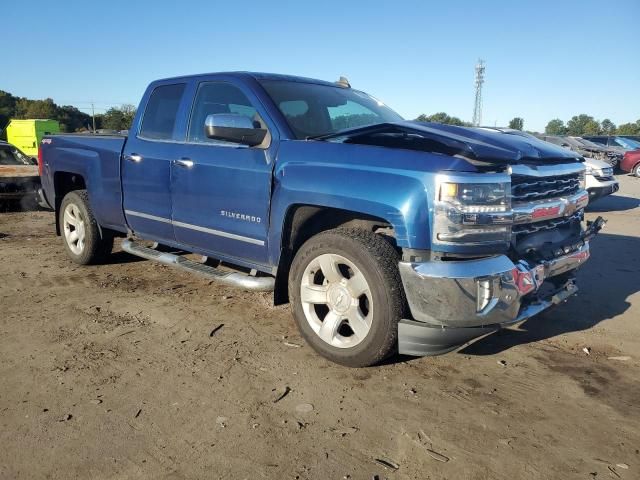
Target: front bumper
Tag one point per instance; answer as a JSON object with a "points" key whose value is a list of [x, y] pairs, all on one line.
{"points": [[603, 189], [453, 302]]}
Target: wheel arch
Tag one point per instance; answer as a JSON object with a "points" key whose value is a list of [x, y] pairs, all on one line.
{"points": [[63, 183], [303, 221]]}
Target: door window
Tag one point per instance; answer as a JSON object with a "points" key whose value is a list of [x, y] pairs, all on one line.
{"points": [[160, 116], [217, 97]]}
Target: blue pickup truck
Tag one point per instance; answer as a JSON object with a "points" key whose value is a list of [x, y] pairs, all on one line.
{"points": [[384, 235]]}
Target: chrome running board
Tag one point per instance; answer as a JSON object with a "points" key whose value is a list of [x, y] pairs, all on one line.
{"points": [[234, 279]]}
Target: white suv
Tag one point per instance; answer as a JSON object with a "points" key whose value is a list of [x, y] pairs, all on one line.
{"points": [[600, 181]]}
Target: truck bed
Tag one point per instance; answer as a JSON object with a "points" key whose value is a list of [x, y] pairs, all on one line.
{"points": [[94, 158]]}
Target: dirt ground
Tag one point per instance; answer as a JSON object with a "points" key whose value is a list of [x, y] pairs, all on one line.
{"points": [[134, 370]]}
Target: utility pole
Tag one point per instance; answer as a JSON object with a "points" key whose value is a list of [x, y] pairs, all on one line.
{"points": [[93, 117], [477, 108]]}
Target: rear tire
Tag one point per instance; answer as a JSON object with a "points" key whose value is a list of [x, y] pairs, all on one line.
{"points": [[636, 170], [347, 296], [84, 242]]}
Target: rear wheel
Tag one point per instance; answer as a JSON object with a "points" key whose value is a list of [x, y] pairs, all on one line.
{"points": [[347, 296], [636, 170], [82, 238]]}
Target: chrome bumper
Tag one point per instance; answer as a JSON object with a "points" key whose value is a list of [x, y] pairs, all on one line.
{"points": [[606, 188], [454, 302]]}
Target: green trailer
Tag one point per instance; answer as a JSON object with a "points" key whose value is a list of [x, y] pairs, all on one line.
{"points": [[27, 134]]}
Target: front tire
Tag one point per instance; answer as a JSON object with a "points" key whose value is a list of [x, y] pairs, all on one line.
{"points": [[347, 296], [82, 238]]}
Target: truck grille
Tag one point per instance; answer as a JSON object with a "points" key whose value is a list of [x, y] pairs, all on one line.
{"points": [[524, 188], [530, 228]]}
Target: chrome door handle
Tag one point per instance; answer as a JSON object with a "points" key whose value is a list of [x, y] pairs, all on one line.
{"points": [[134, 157], [184, 162]]}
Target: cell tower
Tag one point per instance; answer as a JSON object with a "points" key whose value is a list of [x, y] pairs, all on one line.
{"points": [[477, 108]]}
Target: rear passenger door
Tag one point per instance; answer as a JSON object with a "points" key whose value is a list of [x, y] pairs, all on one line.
{"points": [[147, 160], [221, 190]]}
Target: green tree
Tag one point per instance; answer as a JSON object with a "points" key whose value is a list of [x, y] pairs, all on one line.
{"points": [[442, 117], [629, 128], [607, 127], [43, 109], [7, 108], [72, 120], [516, 123], [119, 118], [592, 127], [555, 127], [582, 124]]}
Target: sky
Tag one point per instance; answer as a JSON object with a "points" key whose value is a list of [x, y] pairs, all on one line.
{"points": [[544, 59]]}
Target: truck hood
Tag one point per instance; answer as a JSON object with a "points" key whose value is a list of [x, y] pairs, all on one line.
{"points": [[593, 163], [481, 148]]}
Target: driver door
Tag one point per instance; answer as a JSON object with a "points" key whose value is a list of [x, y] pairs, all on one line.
{"points": [[221, 190]]}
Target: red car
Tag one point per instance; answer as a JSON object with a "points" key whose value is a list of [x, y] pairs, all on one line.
{"points": [[631, 162]]}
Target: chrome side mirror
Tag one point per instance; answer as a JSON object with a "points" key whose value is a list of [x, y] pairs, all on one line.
{"points": [[232, 127]]}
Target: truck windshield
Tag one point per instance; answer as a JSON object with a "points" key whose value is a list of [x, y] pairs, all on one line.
{"points": [[12, 156], [312, 109], [627, 143], [588, 143]]}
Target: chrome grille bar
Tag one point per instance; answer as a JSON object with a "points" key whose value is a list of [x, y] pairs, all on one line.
{"points": [[529, 228], [529, 188]]}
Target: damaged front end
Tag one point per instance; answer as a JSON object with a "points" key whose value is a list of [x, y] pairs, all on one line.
{"points": [[454, 302], [506, 239]]}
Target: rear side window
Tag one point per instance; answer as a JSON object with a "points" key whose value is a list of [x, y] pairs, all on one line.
{"points": [[160, 116]]}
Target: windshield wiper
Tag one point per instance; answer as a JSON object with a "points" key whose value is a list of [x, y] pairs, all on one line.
{"points": [[318, 137], [344, 131]]}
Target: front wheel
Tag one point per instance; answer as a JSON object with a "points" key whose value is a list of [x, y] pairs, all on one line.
{"points": [[83, 241], [347, 296], [636, 170]]}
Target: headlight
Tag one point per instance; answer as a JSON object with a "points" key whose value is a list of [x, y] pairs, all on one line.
{"points": [[473, 212], [600, 172]]}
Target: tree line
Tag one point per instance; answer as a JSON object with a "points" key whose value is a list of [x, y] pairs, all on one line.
{"points": [[119, 118], [584, 124], [578, 125], [70, 118], [441, 117]]}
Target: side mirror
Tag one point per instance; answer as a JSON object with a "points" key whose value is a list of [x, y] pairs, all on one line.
{"points": [[235, 128]]}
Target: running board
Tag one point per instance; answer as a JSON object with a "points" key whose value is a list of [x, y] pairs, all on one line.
{"points": [[234, 279]]}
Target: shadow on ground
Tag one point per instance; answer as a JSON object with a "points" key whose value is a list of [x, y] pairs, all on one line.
{"points": [[614, 203], [606, 284], [121, 257], [26, 204]]}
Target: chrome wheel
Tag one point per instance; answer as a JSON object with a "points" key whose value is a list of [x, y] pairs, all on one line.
{"points": [[336, 300], [74, 228]]}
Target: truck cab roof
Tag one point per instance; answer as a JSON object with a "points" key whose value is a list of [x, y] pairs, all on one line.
{"points": [[260, 76]]}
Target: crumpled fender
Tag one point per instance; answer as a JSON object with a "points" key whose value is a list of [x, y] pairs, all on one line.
{"points": [[388, 184]]}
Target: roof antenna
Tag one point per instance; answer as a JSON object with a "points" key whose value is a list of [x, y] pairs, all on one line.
{"points": [[343, 82]]}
